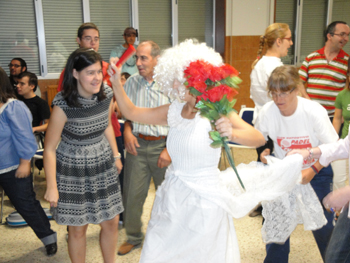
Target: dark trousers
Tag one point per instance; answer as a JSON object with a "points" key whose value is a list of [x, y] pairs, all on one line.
{"points": [[21, 193], [338, 249], [322, 184]]}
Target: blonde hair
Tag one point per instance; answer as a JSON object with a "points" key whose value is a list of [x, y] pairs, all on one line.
{"points": [[272, 32], [283, 78]]}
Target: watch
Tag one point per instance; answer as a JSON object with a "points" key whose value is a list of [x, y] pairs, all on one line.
{"points": [[117, 156]]}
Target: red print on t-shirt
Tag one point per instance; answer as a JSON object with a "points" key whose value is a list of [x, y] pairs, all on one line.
{"points": [[289, 143]]}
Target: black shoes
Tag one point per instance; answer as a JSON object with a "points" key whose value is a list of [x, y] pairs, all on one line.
{"points": [[51, 249]]}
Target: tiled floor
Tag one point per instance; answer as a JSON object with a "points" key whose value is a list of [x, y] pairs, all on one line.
{"points": [[20, 245]]}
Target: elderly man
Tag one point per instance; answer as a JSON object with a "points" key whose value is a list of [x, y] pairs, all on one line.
{"points": [[147, 156], [129, 36], [324, 71], [89, 37]]}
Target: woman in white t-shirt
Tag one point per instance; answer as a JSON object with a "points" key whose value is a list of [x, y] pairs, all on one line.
{"points": [[293, 122], [276, 41]]}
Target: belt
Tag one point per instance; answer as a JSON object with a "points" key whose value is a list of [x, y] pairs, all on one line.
{"points": [[151, 138]]}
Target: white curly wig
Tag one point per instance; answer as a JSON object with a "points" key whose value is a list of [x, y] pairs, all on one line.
{"points": [[175, 60]]}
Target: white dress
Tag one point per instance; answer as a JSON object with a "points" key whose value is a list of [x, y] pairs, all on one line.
{"points": [[192, 214]]}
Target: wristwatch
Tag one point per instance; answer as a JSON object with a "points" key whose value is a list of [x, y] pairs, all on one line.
{"points": [[117, 156]]}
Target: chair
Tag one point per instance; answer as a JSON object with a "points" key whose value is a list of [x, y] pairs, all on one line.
{"points": [[245, 114], [2, 194]]}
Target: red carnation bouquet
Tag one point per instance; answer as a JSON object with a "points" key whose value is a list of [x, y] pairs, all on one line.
{"points": [[214, 88]]}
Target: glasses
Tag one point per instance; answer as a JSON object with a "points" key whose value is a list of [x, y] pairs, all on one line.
{"points": [[130, 35], [343, 35], [282, 95], [89, 39], [288, 38], [13, 65]]}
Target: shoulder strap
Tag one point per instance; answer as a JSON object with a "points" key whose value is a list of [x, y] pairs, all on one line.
{"points": [[3, 107]]}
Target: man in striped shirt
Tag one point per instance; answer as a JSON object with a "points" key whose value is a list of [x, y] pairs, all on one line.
{"points": [[147, 156], [324, 71]]}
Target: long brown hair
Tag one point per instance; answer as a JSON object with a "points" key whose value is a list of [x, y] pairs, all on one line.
{"points": [[6, 89], [272, 32]]}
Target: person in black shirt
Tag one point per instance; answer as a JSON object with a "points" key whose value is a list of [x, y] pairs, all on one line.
{"points": [[27, 85]]}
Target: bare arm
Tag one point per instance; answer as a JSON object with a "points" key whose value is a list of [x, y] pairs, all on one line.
{"points": [[23, 169], [238, 131], [52, 138], [109, 133], [41, 128], [156, 116], [337, 120]]}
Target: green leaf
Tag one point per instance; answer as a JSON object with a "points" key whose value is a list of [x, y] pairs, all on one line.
{"points": [[209, 82], [232, 81], [216, 144], [215, 135], [195, 92]]}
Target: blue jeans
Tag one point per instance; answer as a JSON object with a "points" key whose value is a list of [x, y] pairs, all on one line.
{"points": [[322, 184], [21, 194], [338, 249]]}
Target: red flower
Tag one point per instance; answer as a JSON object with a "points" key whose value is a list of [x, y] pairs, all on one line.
{"points": [[229, 71], [217, 93]]}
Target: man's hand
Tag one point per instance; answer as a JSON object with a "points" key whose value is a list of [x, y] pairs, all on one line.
{"points": [[266, 152], [164, 159], [23, 169], [130, 142]]}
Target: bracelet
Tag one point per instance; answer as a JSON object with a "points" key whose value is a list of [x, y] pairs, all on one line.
{"points": [[311, 154], [313, 167], [117, 156]]}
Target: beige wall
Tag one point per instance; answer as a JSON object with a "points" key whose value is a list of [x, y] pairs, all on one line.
{"points": [[246, 20]]}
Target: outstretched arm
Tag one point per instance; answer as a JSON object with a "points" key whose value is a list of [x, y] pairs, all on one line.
{"points": [[238, 131], [155, 116]]}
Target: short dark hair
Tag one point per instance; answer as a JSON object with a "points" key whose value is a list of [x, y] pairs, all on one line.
{"points": [[32, 79], [125, 74], [22, 61], [87, 26], [331, 28], [155, 49], [6, 89], [80, 59]]}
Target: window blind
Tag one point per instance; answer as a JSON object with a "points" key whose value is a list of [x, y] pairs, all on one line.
{"points": [[18, 34], [313, 26], [286, 13], [195, 20], [155, 22], [61, 21], [340, 12], [111, 17]]}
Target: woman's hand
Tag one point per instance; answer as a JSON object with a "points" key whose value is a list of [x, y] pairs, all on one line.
{"points": [[23, 169], [114, 72], [264, 153], [224, 127], [337, 199], [51, 195], [303, 152], [119, 165]]}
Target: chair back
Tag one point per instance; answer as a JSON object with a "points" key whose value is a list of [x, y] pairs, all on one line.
{"points": [[246, 114]]}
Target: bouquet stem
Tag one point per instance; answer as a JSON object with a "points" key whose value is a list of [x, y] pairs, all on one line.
{"points": [[230, 160]]}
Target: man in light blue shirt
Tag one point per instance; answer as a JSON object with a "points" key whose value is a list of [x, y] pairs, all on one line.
{"points": [[129, 36], [147, 156]]}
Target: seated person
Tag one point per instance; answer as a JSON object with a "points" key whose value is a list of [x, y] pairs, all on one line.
{"points": [[27, 84], [16, 67]]}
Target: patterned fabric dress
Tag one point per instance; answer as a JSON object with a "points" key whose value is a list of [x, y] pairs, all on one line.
{"points": [[87, 178]]}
